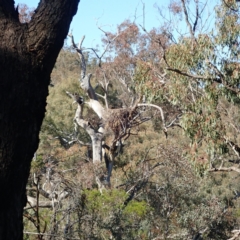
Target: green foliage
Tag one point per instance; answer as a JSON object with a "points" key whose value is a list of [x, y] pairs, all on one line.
{"points": [[144, 84], [37, 164], [199, 72], [110, 212], [113, 201], [161, 188], [58, 121]]}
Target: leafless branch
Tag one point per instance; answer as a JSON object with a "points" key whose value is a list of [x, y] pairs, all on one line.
{"points": [[187, 19], [173, 122], [234, 147], [42, 204], [224, 169], [219, 73], [160, 110], [196, 17], [109, 42], [80, 53], [236, 235]]}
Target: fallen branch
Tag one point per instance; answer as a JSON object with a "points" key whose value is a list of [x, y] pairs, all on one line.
{"points": [[32, 203], [224, 169], [236, 235]]}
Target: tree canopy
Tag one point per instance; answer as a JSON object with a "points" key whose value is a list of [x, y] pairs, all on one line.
{"points": [[169, 101]]}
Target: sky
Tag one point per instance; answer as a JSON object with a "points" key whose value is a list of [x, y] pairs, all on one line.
{"points": [[107, 14]]}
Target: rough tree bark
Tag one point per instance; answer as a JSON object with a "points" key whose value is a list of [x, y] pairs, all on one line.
{"points": [[27, 55]]}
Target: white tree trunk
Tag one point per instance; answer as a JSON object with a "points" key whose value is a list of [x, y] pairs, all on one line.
{"points": [[96, 148]]}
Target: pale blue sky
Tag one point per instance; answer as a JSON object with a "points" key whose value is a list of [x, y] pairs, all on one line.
{"points": [[107, 14]]}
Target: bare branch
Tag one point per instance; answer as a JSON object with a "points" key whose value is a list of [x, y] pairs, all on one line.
{"points": [[97, 108], [186, 18], [99, 57], [161, 112], [219, 73], [85, 84], [81, 42], [80, 53], [42, 204], [173, 122], [197, 17], [199, 77], [234, 147], [236, 235], [224, 169], [190, 75], [95, 135]]}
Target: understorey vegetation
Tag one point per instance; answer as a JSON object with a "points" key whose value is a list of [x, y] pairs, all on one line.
{"points": [[140, 137]]}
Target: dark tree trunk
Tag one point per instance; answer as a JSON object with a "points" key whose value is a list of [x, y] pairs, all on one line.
{"points": [[27, 55]]}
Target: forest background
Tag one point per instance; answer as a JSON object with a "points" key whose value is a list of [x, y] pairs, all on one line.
{"points": [[175, 156]]}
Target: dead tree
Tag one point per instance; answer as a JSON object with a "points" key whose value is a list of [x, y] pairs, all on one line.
{"points": [[118, 123]]}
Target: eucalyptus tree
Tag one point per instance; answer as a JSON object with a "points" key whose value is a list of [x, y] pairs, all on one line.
{"points": [[199, 75]]}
